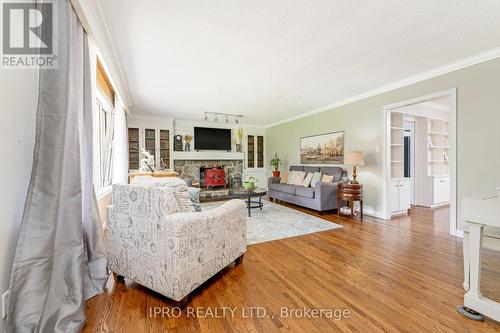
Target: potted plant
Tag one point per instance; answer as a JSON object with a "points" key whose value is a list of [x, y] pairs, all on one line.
{"points": [[249, 184], [275, 163], [239, 134]]}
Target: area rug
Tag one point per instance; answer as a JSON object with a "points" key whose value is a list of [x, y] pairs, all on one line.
{"points": [[278, 222]]}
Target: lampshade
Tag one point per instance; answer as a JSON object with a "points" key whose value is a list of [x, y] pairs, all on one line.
{"points": [[355, 158]]}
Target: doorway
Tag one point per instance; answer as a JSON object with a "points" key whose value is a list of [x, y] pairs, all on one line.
{"points": [[420, 155], [410, 155]]}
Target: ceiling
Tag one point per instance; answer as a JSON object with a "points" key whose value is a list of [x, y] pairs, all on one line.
{"points": [[271, 60]]}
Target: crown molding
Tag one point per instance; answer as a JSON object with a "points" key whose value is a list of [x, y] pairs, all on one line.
{"points": [[466, 62], [94, 17]]}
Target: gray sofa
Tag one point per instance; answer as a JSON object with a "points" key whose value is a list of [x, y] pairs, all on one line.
{"points": [[321, 198]]}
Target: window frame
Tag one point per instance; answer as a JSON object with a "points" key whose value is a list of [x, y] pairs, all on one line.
{"points": [[103, 107]]}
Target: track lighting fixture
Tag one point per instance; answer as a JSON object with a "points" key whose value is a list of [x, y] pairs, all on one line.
{"points": [[227, 117]]}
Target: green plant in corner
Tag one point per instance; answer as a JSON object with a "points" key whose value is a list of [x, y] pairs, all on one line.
{"points": [[275, 163]]}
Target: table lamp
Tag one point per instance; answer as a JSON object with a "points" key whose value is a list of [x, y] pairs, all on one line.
{"points": [[354, 158]]}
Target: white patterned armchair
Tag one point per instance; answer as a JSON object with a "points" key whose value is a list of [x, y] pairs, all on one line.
{"points": [[153, 241]]}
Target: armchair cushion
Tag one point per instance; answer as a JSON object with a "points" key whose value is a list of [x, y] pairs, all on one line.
{"points": [[176, 186]]}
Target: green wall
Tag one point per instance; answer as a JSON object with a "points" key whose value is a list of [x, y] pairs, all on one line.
{"points": [[478, 126]]}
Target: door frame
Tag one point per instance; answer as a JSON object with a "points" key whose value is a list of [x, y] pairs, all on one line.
{"points": [[452, 94]]}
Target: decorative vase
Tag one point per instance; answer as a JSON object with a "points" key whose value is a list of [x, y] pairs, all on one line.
{"points": [[238, 147], [276, 174], [187, 147]]}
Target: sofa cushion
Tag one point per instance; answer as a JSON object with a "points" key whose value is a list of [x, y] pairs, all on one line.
{"points": [[307, 180], [194, 195], [336, 172], [296, 168], [316, 178], [296, 177], [284, 188], [327, 179], [311, 169], [284, 178], [306, 192]]}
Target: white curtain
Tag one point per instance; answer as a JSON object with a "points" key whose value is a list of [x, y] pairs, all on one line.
{"points": [[60, 257]]}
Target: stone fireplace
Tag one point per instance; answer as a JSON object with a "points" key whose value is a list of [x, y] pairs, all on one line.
{"points": [[190, 170]]}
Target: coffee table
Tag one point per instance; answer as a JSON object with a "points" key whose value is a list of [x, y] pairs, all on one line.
{"points": [[247, 196]]}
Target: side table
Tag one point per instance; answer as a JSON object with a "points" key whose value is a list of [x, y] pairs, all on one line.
{"points": [[350, 193]]}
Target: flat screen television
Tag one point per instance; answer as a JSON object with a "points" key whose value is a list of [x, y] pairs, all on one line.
{"points": [[212, 138]]}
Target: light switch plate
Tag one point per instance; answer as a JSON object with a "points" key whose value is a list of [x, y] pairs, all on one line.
{"points": [[5, 298]]}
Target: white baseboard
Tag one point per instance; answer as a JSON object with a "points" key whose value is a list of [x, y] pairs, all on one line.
{"points": [[5, 299], [373, 213]]}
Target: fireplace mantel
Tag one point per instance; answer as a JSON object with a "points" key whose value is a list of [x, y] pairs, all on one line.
{"points": [[207, 155]]}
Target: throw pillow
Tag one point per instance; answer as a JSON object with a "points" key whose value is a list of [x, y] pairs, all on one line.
{"points": [[168, 203], [307, 180], [327, 179], [194, 195], [315, 179], [284, 178], [297, 177]]}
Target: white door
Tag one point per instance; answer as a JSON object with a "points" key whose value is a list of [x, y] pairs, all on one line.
{"points": [[394, 196], [404, 194]]}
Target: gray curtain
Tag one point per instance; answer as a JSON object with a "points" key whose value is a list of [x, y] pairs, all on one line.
{"points": [[60, 257]]}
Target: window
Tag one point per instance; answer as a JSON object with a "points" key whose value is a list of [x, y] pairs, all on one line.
{"points": [[103, 130]]}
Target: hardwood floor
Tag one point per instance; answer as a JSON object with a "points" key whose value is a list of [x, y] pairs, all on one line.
{"points": [[403, 275]]}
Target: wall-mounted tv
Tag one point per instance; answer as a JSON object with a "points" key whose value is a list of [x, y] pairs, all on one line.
{"points": [[212, 138]]}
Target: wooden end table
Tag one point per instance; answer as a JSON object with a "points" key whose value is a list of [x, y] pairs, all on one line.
{"points": [[350, 193]]}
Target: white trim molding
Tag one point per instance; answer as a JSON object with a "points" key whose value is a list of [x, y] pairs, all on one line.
{"points": [[467, 62], [94, 17]]}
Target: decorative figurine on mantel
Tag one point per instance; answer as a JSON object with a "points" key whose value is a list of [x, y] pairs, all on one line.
{"points": [[188, 138], [148, 162]]}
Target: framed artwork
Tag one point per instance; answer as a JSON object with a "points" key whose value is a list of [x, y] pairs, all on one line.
{"points": [[322, 149]]}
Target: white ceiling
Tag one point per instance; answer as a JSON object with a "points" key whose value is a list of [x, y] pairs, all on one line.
{"points": [[274, 59]]}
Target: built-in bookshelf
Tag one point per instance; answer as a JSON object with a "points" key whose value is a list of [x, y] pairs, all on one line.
{"points": [[260, 151], [155, 141], [133, 148], [164, 149], [150, 141], [397, 145], [251, 151], [438, 147]]}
